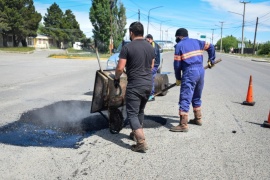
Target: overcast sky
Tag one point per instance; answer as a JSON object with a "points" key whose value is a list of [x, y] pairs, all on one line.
{"points": [[200, 17]]}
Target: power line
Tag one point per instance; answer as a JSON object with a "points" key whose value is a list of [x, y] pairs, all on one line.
{"points": [[136, 4], [132, 16]]}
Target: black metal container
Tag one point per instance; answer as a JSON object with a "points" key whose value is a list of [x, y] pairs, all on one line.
{"points": [[105, 95]]}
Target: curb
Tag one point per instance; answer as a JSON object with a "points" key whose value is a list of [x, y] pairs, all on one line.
{"points": [[250, 58], [257, 60]]}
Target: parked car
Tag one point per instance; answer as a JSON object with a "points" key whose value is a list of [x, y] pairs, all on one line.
{"points": [[166, 45], [113, 60]]}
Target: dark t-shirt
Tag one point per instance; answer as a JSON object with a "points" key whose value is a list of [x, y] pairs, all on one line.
{"points": [[139, 55]]}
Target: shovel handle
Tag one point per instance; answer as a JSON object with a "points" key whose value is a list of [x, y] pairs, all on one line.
{"points": [[174, 84], [217, 61]]}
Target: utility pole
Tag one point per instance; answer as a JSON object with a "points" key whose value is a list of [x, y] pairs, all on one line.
{"points": [[161, 30], [221, 35], [166, 35], [112, 3], [213, 35], [168, 32], [148, 17], [254, 42], [139, 14], [243, 25]]}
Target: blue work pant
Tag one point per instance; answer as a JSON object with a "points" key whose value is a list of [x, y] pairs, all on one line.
{"points": [[191, 88], [136, 100], [154, 73]]}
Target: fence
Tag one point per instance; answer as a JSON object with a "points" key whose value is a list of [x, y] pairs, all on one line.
{"points": [[246, 50]]}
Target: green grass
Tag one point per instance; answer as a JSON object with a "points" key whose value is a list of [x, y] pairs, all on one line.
{"points": [[72, 50], [86, 55], [17, 49]]}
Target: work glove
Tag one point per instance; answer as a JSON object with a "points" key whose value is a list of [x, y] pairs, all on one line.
{"points": [[178, 82], [210, 64], [116, 83]]}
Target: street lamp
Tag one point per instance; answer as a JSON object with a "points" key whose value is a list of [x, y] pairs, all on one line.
{"points": [[221, 35], [167, 31], [243, 24], [213, 35], [149, 16], [160, 27]]}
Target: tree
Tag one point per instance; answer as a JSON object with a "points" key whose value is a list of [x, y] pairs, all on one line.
{"points": [[4, 25], [19, 19], [63, 27], [72, 28], [100, 18], [227, 43], [107, 20], [264, 49], [119, 24], [53, 22], [31, 23], [40, 29]]}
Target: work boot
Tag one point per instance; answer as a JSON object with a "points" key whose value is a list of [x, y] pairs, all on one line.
{"points": [[197, 117], [141, 145], [182, 127], [132, 136]]}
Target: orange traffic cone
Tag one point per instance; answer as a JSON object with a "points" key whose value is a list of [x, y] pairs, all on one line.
{"points": [[249, 100], [267, 123]]}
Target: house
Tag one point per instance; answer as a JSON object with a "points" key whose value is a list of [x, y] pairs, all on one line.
{"points": [[40, 41]]}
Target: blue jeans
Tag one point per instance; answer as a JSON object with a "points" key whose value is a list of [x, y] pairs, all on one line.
{"points": [[154, 73]]}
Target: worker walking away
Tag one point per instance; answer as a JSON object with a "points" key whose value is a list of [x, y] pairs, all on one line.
{"points": [[138, 58], [189, 72], [149, 38]]}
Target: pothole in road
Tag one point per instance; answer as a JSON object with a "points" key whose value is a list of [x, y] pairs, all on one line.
{"points": [[62, 125], [58, 125]]}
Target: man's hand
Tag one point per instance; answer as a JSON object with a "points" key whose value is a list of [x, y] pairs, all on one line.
{"points": [[178, 82], [209, 63], [116, 83]]}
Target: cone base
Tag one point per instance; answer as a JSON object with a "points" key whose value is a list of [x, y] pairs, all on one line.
{"points": [[266, 124], [248, 103]]}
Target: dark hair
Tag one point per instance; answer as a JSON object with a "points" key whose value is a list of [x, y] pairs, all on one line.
{"points": [[181, 32], [136, 28], [149, 36]]}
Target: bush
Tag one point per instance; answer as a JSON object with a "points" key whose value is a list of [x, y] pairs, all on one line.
{"points": [[264, 49]]}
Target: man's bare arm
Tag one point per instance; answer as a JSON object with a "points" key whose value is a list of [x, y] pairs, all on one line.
{"points": [[153, 63], [120, 68]]}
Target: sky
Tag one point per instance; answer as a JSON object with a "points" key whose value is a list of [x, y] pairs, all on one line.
{"points": [[161, 18]]}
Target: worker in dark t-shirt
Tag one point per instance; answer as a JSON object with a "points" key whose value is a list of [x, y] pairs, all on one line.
{"points": [[138, 58]]}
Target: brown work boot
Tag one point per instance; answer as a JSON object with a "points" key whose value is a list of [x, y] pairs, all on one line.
{"points": [[182, 127], [197, 117], [132, 136], [141, 145]]}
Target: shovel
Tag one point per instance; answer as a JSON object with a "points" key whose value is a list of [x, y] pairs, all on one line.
{"points": [[174, 84]]}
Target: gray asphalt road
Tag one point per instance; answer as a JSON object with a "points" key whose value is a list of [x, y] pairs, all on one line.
{"points": [[47, 131]]}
